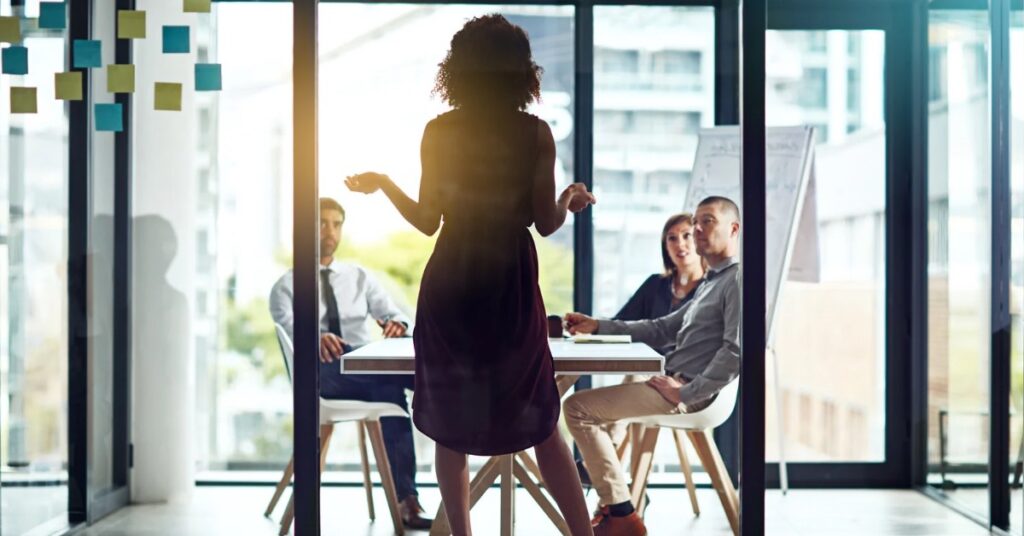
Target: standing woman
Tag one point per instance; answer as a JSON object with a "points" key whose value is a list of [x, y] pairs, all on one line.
{"points": [[484, 373]]}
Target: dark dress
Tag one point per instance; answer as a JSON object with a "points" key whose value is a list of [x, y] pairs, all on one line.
{"points": [[652, 300], [484, 373]]}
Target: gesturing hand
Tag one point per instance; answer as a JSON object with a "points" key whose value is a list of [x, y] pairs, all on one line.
{"points": [[366, 183], [668, 387], [578, 196]]}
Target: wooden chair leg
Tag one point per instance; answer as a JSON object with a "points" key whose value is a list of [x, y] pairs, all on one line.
{"points": [[645, 460], [621, 449], [712, 461], [286, 519], [636, 434], [684, 462], [365, 462], [286, 479], [508, 491], [384, 468]]}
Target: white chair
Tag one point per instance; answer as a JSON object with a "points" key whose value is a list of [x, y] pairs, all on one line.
{"points": [[698, 427], [367, 417]]}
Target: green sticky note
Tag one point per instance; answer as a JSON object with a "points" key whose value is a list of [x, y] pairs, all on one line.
{"points": [[53, 15], [14, 60], [23, 100], [207, 77], [167, 96], [69, 85], [109, 117], [131, 24], [197, 6], [176, 40], [10, 30], [120, 78], [86, 53]]}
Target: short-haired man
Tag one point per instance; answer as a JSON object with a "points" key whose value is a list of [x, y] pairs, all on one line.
{"points": [[348, 296], [705, 359]]}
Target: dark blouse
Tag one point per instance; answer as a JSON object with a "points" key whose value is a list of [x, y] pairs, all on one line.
{"points": [[652, 300]]}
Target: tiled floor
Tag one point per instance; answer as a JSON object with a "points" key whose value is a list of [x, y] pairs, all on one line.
{"points": [[231, 511]]}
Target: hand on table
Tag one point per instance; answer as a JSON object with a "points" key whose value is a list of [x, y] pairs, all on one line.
{"points": [[580, 323], [668, 387], [392, 329], [332, 347]]}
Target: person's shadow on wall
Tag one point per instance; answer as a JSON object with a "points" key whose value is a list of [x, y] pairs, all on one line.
{"points": [[163, 398]]}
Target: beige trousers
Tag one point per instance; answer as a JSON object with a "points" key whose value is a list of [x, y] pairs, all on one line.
{"points": [[592, 416]]}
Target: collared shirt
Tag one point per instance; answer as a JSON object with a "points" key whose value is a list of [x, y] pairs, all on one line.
{"points": [[360, 297], [706, 333]]}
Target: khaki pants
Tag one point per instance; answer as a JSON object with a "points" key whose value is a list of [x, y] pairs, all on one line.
{"points": [[592, 416]]}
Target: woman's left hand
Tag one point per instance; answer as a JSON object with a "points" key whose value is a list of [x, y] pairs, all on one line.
{"points": [[366, 183]]}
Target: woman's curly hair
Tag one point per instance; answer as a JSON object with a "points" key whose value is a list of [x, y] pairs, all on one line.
{"points": [[489, 63]]}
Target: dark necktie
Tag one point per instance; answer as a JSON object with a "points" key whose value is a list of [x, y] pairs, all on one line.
{"points": [[333, 317]]}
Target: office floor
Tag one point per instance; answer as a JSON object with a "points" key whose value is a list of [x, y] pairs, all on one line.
{"points": [[239, 510]]}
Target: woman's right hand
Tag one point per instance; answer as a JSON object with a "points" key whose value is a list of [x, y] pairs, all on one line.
{"points": [[580, 323], [366, 183], [577, 197]]}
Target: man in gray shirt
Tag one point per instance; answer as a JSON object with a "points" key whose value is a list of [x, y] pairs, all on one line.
{"points": [[706, 358]]}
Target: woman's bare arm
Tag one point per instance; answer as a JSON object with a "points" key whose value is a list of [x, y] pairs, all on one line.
{"points": [[549, 213]]}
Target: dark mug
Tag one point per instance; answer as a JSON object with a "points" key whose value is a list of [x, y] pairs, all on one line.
{"points": [[554, 326]]}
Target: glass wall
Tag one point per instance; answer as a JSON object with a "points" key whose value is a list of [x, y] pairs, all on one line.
{"points": [[33, 289], [1017, 271], [830, 397], [959, 240]]}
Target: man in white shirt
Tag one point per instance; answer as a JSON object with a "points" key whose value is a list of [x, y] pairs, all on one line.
{"points": [[349, 295]]}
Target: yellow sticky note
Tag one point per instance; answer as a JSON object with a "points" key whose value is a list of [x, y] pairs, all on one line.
{"points": [[131, 24], [167, 97], [10, 30], [120, 78], [197, 6], [23, 100], [69, 85]]}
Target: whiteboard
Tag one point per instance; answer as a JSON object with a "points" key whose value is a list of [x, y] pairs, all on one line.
{"points": [[791, 222]]}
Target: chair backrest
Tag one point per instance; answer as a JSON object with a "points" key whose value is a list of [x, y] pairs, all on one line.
{"points": [[284, 340], [719, 411]]}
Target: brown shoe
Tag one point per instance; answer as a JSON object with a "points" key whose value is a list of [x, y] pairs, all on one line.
{"points": [[410, 510], [630, 525]]}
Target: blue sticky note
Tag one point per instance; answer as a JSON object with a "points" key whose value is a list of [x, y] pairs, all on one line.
{"points": [[15, 60], [87, 54], [52, 15], [207, 77], [108, 118], [175, 39]]}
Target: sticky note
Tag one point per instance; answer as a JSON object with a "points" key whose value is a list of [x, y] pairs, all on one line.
{"points": [[69, 85], [131, 24], [10, 30], [86, 54], [167, 96], [175, 39], [207, 77], [197, 6], [109, 118], [23, 100], [15, 60], [120, 78], [53, 15]]}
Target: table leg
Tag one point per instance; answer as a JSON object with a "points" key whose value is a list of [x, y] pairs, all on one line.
{"points": [[508, 494]]}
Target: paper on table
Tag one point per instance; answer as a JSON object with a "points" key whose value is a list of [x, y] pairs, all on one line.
{"points": [[69, 85], [584, 338], [131, 24]]}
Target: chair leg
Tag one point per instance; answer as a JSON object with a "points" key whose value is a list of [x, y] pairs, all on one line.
{"points": [[384, 468], [712, 461], [684, 462], [645, 460], [367, 484], [508, 490], [286, 479], [620, 451], [636, 434]]}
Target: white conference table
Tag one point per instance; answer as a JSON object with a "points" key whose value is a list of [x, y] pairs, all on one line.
{"points": [[396, 356]]}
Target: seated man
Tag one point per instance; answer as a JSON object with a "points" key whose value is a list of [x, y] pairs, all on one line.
{"points": [[349, 295], [705, 359]]}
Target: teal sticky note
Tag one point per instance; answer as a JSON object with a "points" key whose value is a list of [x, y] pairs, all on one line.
{"points": [[207, 77], [176, 39], [87, 54], [109, 118], [52, 15], [15, 60]]}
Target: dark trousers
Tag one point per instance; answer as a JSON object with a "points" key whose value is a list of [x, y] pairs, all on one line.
{"points": [[397, 430]]}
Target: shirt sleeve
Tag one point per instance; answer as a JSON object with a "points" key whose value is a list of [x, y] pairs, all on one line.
{"points": [[724, 367], [281, 300], [380, 305], [656, 333]]}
